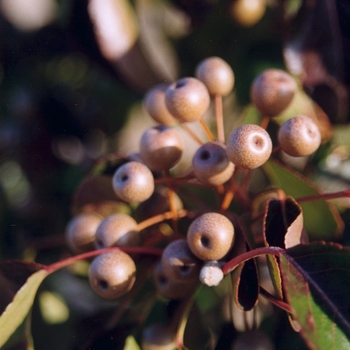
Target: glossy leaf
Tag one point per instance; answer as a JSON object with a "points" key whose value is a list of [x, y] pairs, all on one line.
{"points": [[321, 219], [16, 312], [245, 280], [283, 223], [316, 279]]}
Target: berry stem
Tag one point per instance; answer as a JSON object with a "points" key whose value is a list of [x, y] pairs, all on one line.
{"points": [[161, 217], [66, 262], [172, 204], [230, 193], [207, 130], [265, 121], [232, 264], [324, 196], [279, 303], [219, 118], [191, 133]]}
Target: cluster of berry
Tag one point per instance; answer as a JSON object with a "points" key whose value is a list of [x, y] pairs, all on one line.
{"points": [[199, 254]]}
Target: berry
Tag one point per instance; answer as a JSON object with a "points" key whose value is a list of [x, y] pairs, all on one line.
{"points": [[272, 91], [169, 288], [179, 263], [211, 165], [112, 274], [158, 337], [187, 99], [161, 147], [252, 340], [81, 230], [133, 182], [217, 76], [299, 136], [210, 236], [249, 146], [211, 273], [248, 12], [154, 103], [117, 230]]}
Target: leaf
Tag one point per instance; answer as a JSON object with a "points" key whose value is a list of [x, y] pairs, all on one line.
{"points": [[245, 279], [316, 279], [283, 223], [131, 344], [16, 311], [321, 219]]}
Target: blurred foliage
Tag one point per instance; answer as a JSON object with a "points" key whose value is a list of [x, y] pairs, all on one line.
{"points": [[64, 97]]}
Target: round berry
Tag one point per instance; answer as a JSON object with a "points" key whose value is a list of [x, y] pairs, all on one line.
{"points": [[299, 136], [217, 76], [158, 337], [169, 288], [210, 236], [133, 182], [249, 146], [187, 99], [248, 12], [211, 165], [112, 274], [81, 230], [154, 103], [179, 263], [161, 147], [211, 273], [253, 340], [117, 230], [272, 91]]}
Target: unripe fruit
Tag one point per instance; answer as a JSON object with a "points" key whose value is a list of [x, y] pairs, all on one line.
{"points": [[169, 288], [179, 263], [133, 182], [154, 103], [217, 76], [272, 91], [117, 230], [211, 273], [248, 12], [112, 274], [252, 340], [158, 337], [299, 136], [249, 146], [210, 236], [161, 147], [211, 165], [187, 99], [81, 230]]}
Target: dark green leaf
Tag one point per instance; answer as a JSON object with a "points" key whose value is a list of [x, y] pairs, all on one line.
{"points": [[316, 279]]}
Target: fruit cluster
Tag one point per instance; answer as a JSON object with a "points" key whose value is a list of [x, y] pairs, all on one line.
{"points": [[201, 240]]}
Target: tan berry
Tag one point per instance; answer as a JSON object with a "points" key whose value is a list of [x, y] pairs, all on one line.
{"points": [[210, 236], [133, 182], [217, 75], [187, 99], [117, 230], [299, 136], [272, 91], [112, 274], [249, 146]]}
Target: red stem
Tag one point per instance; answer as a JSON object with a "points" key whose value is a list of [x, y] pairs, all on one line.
{"points": [[232, 264], [324, 196], [279, 303]]}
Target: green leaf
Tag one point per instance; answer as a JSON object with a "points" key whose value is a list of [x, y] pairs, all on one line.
{"points": [[131, 343], [18, 309], [321, 219], [316, 279]]}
